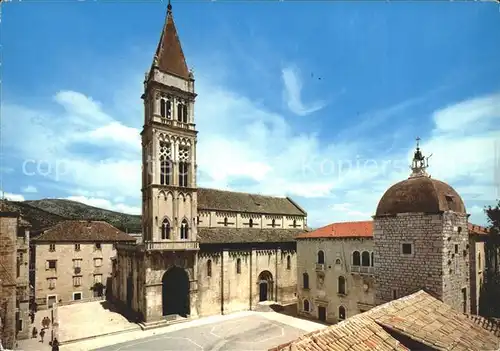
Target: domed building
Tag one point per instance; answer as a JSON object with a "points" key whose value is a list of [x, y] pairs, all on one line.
{"points": [[421, 239]]}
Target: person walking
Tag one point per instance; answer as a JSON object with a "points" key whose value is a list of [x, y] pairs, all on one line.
{"points": [[55, 345], [34, 333], [42, 333]]}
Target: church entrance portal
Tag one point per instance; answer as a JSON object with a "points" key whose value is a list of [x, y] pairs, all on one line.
{"points": [[265, 286], [175, 292]]}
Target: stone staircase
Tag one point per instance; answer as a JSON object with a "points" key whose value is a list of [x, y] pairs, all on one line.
{"points": [[167, 320]]}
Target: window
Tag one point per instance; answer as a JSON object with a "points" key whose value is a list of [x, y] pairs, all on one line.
{"points": [[479, 261], [456, 248], [77, 296], [305, 280], [238, 266], [250, 223], [341, 287], [52, 247], [163, 110], [183, 173], [97, 246], [185, 114], [52, 283], [165, 170], [406, 249], [372, 260], [198, 220], [165, 229], [51, 264], [306, 306], [338, 261], [294, 223], [77, 263], [342, 314], [365, 259], [18, 265], [273, 223], [77, 281], [97, 262], [184, 229], [97, 278], [356, 258], [321, 257], [77, 247], [169, 109], [225, 221], [19, 322], [209, 268], [394, 294], [464, 299], [182, 113], [288, 262]]}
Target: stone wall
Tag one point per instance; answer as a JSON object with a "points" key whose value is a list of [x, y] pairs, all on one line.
{"points": [[215, 219], [477, 257], [437, 260]]}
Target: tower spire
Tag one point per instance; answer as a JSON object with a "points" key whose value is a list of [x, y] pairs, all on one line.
{"points": [[419, 163], [169, 57]]}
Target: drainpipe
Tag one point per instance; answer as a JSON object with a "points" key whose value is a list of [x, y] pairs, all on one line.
{"points": [[251, 275], [222, 282]]}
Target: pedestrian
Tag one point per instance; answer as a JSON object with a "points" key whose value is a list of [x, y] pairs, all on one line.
{"points": [[42, 333], [55, 345], [34, 333], [32, 316]]}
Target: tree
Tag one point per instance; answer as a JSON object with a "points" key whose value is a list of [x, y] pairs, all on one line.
{"points": [[490, 290]]}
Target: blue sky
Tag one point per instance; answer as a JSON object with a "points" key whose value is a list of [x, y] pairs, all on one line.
{"points": [[320, 101]]}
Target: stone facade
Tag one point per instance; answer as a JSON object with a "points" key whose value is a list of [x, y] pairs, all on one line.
{"points": [[14, 287], [477, 265], [343, 284], [67, 272], [437, 258]]}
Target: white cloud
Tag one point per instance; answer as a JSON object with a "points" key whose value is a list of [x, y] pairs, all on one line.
{"points": [[106, 204], [12, 197], [29, 189], [293, 93]]}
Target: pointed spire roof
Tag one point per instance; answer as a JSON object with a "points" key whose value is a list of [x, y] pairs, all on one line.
{"points": [[169, 57]]}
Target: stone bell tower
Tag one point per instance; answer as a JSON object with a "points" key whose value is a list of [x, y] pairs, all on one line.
{"points": [[169, 203]]}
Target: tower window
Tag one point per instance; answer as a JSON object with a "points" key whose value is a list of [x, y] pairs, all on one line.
{"points": [[406, 249], [184, 229], [165, 229], [183, 173], [238, 266], [165, 171], [163, 108], [209, 268], [225, 221], [273, 223], [169, 109], [305, 281], [185, 114], [288, 262], [365, 259]]}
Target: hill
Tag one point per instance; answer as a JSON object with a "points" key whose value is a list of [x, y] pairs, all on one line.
{"points": [[48, 212]]}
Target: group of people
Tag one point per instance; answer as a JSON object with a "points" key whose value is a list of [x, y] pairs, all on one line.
{"points": [[45, 325]]}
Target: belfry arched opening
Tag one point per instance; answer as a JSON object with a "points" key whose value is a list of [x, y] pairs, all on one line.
{"points": [[175, 292]]}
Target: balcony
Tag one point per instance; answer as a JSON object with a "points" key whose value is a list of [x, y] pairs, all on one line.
{"points": [[362, 269], [320, 267], [171, 245], [78, 270]]}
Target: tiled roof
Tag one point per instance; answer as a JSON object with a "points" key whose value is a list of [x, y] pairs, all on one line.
{"points": [[416, 321], [361, 229], [170, 58], [222, 200], [74, 231], [246, 235], [477, 229]]}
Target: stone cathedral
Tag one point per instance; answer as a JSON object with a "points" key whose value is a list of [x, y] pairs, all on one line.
{"points": [[203, 251]]}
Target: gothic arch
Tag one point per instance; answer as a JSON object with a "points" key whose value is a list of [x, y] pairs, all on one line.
{"points": [[175, 292]]}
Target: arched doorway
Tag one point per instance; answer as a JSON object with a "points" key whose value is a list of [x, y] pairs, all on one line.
{"points": [[265, 286], [175, 292]]}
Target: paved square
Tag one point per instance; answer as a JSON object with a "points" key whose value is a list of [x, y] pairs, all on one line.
{"points": [[252, 332]]}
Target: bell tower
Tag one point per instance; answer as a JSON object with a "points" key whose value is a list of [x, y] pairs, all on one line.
{"points": [[169, 203]]}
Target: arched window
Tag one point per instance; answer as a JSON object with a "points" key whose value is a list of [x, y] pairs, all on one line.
{"points": [[165, 171], [238, 265], [209, 268], [163, 108], [169, 109], [288, 262], [342, 314], [179, 111], [306, 305], [356, 258], [372, 261], [184, 229], [321, 257], [338, 261], [305, 280], [479, 260], [341, 287], [365, 259], [185, 114], [225, 221], [165, 229], [250, 223], [273, 223]]}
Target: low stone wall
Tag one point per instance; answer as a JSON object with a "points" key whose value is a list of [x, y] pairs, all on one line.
{"points": [[90, 299]]}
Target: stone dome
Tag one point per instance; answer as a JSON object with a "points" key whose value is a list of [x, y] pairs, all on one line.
{"points": [[420, 194]]}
